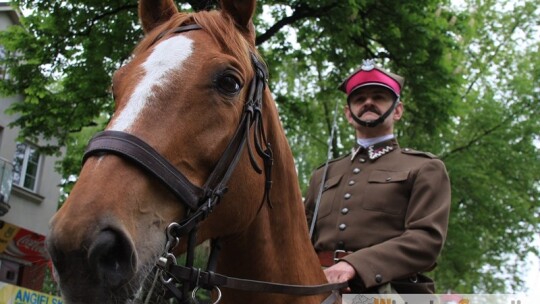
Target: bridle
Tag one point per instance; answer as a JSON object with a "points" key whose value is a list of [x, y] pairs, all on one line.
{"points": [[200, 201]]}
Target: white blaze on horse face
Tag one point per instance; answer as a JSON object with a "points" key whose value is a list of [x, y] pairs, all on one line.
{"points": [[167, 56]]}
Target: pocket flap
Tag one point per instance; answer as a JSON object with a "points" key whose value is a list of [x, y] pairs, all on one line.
{"points": [[332, 182], [388, 176]]}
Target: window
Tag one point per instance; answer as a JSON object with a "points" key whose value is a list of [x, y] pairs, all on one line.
{"points": [[9, 271], [26, 166]]}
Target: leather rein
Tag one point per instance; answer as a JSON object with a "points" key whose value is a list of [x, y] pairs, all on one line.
{"points": [[200, 201]]}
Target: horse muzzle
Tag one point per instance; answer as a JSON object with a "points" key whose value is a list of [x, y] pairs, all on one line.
{"points": [[104, 265]]}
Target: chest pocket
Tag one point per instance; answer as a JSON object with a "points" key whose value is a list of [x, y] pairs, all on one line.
{"points": [[387, 191], [330, 189]]}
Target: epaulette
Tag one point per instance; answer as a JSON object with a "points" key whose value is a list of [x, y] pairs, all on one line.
{"points": [[334, 160], [418, 153]]}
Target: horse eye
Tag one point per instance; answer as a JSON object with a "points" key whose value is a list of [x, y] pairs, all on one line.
{"points": [[228, 84]]}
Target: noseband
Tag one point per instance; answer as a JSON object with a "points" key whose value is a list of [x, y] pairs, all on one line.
{"points": [[200, 201]]}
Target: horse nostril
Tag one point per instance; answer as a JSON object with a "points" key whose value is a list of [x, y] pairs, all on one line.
{"points": [[57, 257], [113, 257]]}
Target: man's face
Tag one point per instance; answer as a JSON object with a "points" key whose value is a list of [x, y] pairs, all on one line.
{"points": [[370, 102]]}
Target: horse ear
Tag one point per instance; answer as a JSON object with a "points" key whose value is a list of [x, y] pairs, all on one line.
{"points": [[242, 12], [154, 12]]}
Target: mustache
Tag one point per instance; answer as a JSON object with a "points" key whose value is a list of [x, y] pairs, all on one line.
{"points": [[369, 109]]}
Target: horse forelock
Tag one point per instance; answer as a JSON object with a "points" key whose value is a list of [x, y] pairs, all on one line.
{"points": [[224, 32], [220, 27]]}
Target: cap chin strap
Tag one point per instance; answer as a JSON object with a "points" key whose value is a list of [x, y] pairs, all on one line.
{"points": [[376, 122]]}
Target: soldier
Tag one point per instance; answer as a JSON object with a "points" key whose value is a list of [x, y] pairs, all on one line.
{"points": [[383, 212]]}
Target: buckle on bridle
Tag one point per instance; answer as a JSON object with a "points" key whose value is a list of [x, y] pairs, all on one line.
{"points": [[194, 294], [336, 252], [165, 262]]}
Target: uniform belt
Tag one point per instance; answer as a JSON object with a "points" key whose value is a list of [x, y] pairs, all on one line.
{"points": [[329, 258]]}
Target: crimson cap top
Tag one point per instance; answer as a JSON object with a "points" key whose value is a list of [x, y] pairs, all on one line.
{"points": [[369, 74]]}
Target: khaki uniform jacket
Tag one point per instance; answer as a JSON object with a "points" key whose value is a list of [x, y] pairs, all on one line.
{"points": [[387, 205]]}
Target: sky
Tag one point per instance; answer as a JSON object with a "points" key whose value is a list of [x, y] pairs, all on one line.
{"points": [[533, 273]]}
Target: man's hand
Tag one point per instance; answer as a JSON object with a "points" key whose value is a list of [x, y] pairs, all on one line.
{"points": [[341, 272]]}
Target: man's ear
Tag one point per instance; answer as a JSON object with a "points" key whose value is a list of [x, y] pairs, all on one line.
{"points": [[155, 12], [398, 112], [242, 12]]}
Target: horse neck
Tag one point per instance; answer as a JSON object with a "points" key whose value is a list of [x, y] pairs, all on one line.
{"points": [[276, 246]]}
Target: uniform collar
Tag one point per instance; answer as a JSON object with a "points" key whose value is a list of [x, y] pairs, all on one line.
{"points": [[376, 150], [366, 142]]}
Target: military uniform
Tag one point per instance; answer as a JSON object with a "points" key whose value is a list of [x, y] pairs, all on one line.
{"points": [[388, 208]]}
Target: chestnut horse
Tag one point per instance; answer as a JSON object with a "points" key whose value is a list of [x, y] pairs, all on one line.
{"points": [[183, 94]]}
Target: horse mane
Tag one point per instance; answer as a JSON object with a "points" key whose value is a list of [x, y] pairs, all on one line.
{"points": [[220, 27]]}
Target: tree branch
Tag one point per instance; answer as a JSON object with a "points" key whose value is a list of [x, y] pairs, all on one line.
{"points": [[491, 58], [103, 15], [300, 12], [487, 132], [476, 139]]}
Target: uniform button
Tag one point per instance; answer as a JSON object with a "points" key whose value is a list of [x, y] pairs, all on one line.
{"points": [[347, 196], [344, 210], [351, 182], [388, 179], [356, 170], [342, 227], [362, 160], [378, 278]]}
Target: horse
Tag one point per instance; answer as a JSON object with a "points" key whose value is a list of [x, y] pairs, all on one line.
{"points": [[183, 95]]}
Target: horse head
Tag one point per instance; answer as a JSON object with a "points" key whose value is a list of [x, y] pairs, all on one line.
{"points": [[184, 96]]}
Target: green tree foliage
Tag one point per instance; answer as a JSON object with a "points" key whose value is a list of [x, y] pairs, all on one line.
{"points": [[471, 97], [491, 150]]}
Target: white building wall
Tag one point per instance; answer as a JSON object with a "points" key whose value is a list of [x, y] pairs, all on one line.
{"points": [[5, 20], [29, 210]]}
